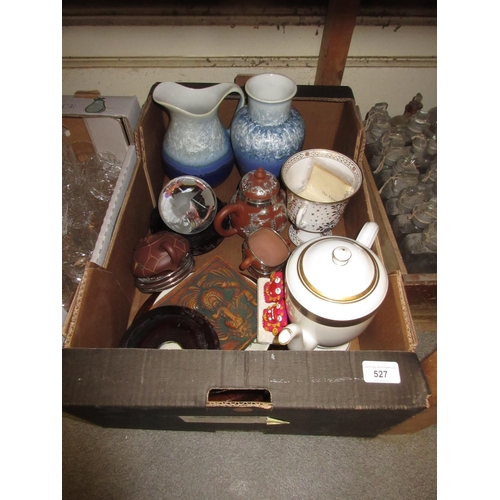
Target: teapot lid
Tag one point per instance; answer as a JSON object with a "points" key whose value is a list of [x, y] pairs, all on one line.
{"points": [[259, 185], [338, 269]]}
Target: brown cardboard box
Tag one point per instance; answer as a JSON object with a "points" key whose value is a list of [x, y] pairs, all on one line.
{"points": [[110, 130], [277, 391]]}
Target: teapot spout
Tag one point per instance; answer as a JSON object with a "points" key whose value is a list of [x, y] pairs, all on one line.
{"points": [[296, 339]]}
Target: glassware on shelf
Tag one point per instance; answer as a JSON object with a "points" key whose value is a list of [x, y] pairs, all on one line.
{"points": [[103, 170], [429, 180], [87, 186], [374, 134], [378, 109], [418, 148], [433, 112], [386, 163], [410, 109], [421, 216], [403, 174], [408, 198], [390, 141], [403, 162], [419, 250], [417, 124], [430, 155]]}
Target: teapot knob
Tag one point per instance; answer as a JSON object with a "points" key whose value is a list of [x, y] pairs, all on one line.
{"points": [[341, 256], [260, 173]]}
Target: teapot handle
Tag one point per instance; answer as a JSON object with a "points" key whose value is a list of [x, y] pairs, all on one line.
{"points": [[221, 215], [368, 234]]}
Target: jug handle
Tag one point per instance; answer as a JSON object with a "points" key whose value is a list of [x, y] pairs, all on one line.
{"points": [[233, 87], [368, 234]]}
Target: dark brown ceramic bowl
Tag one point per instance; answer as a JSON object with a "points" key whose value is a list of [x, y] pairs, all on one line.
{"points": [[186, 327]]}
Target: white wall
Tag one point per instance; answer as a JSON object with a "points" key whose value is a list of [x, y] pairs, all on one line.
{"points": [[388, 64]]}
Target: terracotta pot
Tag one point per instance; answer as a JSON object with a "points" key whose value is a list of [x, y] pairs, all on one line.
{"points": [[259, 202]]}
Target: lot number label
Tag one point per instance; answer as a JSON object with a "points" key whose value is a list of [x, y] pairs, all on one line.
{"points": [[381, 372]]}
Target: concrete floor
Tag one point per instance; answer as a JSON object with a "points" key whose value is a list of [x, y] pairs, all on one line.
{"points": [[122, 464]]}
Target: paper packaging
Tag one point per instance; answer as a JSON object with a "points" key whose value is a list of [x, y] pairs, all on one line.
{"points": [[273, 391], [111, 130]]}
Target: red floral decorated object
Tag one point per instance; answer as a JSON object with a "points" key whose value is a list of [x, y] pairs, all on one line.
{"points": [[275, 318], [274, 290]]}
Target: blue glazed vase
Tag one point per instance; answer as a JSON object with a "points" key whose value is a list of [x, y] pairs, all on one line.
{"points": [[269, 129], [195, 142]]}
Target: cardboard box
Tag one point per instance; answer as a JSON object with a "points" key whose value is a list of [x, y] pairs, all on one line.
{"points": [[107, 130], [275, 391]]}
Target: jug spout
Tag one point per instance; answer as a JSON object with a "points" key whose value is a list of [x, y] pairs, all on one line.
{"points": [[296, 339], [195, 101]]}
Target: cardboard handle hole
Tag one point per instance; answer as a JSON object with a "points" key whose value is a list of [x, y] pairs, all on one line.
{"points": [[239, 397]]}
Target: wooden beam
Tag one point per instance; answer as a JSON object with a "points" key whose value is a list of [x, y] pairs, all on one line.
{"points": [[339, 25]]}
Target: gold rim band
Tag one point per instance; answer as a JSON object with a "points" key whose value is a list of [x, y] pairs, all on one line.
{"points": [[325, 321], [321, 295]]}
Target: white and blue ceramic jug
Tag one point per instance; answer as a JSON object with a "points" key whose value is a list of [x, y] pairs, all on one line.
{"points": [[269, 130], [195, 142]]}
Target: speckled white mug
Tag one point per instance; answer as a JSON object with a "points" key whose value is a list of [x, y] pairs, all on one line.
{"points": [[316, 216]]}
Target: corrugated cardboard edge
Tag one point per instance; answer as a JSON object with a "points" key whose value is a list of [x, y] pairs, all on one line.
{"points": [[142, 149], [239, 404], [360, 153], [72, 318], [427, 417], [70, 321], [405, 311]]}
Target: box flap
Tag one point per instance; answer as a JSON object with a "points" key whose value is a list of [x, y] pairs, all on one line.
{"points": [[126, 108]]}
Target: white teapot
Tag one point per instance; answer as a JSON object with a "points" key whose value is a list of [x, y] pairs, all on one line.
{"points": [[334, 286]]}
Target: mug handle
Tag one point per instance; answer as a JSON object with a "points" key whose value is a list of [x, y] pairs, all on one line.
{"points": [[247, 263], [300, 216], [221, 215]]}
